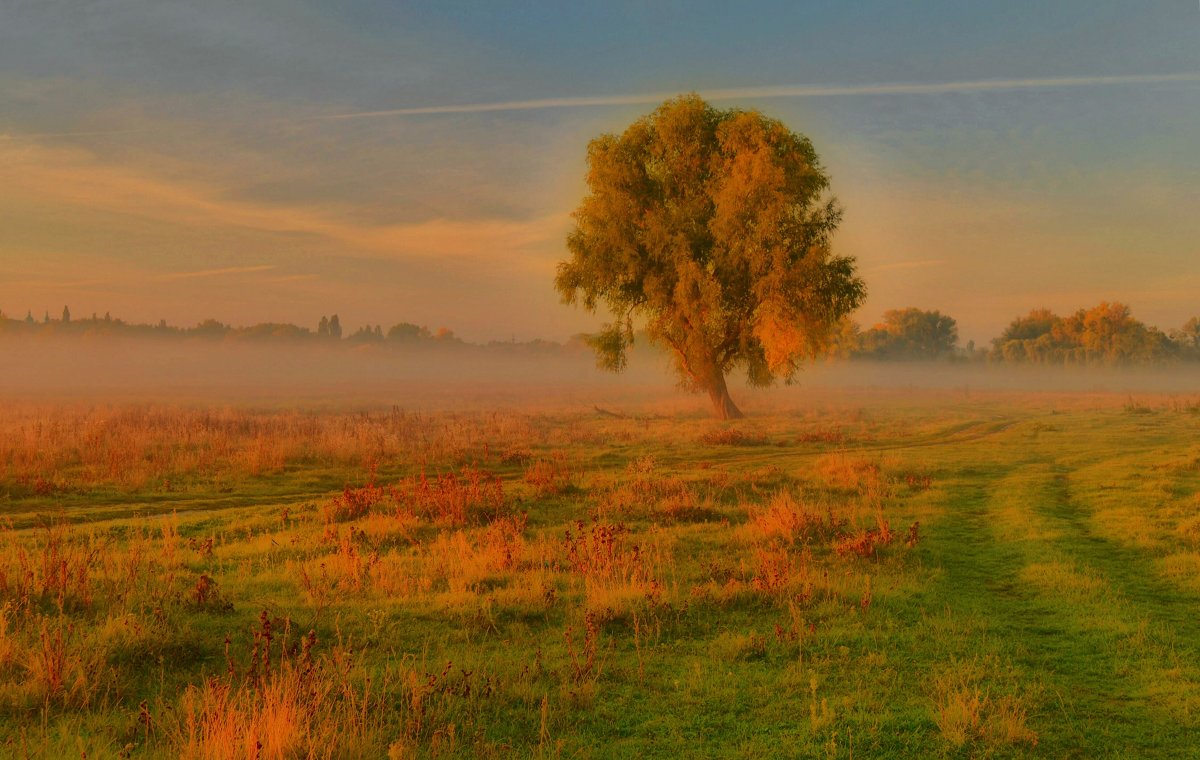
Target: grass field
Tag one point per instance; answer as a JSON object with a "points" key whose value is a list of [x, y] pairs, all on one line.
{"points": [[869, 575]]}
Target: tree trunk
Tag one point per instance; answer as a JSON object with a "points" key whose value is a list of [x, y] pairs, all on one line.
{"points": [[723, 406]]}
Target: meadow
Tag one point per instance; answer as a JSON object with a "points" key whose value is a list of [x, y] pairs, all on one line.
{"points": [[859, 574]]}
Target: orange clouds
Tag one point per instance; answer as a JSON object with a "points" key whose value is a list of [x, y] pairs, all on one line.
{"points": [[65, 177]]}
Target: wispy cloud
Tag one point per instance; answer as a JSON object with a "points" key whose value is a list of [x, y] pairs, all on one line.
{"points": [[214, 272], [898, 265], [139, 278], [780, 91], [73, 178], [295, 278]]}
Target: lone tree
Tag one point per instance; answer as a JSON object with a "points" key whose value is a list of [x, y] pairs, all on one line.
{"points": [[713, 227]]}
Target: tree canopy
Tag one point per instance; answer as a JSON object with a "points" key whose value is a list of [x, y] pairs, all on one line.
{"points": [[713, 227], [911, 334], [1104, 334], [1188, 337]]}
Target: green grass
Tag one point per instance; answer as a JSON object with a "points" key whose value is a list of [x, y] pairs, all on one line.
{"points": [[1046, 609]]}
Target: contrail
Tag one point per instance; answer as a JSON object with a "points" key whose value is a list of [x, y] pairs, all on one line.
{"points": [[215, 272], [779, 91], [733, 93]]}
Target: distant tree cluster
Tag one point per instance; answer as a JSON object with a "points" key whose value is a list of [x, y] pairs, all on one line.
{"points": [[1188, 337], [1106, 334], [909, 334], [366, 334], [330, 327]]}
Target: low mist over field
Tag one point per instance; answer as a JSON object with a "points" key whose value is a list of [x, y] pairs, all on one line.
{"points": [[475, 377], [291, 374]]}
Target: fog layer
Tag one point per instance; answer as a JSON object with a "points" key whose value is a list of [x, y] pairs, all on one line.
{"points": [[273, 375]]}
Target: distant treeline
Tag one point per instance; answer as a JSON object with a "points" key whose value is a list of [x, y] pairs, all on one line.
{"points": [[1106, 334], [328, 332]]}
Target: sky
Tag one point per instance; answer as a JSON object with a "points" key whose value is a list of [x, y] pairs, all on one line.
{"points": [[404, 161]]}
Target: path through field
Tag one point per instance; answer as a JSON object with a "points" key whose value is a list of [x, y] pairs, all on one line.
{"points": [[1056, 540]]}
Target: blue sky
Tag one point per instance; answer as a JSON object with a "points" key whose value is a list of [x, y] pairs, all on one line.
{"points": [[185, 160]]}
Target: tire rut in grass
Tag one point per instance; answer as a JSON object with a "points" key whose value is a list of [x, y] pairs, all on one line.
{"points": [[1097, 594], [1131, 571], [983, 580]]}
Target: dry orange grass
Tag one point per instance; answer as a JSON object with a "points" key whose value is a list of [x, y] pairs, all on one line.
{"points": [[291, 702], [850, 473], [549, 476], [53, 449], [790, 520]]}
